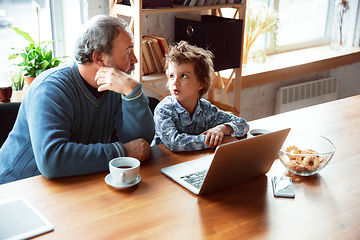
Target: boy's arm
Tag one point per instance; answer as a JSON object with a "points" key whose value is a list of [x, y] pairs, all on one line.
{"points": [[219, 118]]}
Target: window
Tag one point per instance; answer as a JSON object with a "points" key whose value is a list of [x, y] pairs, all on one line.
{"points": [[21, 14], [303, 23]]}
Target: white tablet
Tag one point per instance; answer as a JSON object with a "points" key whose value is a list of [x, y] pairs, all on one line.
{"points": [[20, 220]]}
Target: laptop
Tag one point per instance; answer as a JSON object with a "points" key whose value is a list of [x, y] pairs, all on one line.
{"points": [[232, 163]]}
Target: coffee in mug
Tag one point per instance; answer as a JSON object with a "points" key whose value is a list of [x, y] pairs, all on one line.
{"points": [[124, 170], [125, 167]]}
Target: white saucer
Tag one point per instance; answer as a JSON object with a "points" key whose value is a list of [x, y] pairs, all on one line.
{"points": [[110, 181]]}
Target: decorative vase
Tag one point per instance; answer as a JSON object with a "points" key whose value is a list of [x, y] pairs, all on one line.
{"points": [[28, 80], [246, 56], [17, 96], [340, 29]]}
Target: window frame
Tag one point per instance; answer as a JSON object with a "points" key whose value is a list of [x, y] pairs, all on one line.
{"points": [[274, 4]]}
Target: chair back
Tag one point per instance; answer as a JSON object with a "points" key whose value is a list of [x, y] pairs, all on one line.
{"points": [[8, 114]]}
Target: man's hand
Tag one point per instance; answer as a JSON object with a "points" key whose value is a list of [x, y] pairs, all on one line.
{"points": [[138, 148], [115, 80]]}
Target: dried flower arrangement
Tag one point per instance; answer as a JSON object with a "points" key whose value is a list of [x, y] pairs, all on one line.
{"points": [[343, 6], [259, 20]]}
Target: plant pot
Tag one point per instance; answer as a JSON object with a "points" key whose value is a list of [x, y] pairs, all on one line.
{"points": [[17, 96], [5, 93], [28, 80]]}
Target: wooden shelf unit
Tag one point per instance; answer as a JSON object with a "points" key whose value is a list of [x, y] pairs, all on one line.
{"points": [[135, 12]]}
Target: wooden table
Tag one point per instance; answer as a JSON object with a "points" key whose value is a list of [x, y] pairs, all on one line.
{"points": [[326, 206]]}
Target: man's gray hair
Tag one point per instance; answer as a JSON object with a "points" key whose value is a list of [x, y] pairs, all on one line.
{"points": [[98, 36]]}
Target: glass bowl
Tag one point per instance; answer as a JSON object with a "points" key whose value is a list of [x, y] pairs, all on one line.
{"points": [[306, 154]]}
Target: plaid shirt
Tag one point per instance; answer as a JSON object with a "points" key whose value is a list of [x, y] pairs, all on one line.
{"points": [[178, 131]]}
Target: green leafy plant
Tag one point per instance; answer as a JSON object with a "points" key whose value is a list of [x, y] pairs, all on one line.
{"points": [[35, 57]]}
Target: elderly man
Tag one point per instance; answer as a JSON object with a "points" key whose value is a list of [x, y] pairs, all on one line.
{"points": [[66, 120]]}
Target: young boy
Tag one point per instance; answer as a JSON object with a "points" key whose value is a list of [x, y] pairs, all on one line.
{"points": [[184, 121]]}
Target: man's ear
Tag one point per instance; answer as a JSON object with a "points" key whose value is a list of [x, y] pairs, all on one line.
{"points": [[98, 59]]}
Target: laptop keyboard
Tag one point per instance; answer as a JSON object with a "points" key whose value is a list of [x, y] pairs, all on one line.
{"points": [[195, 179]]}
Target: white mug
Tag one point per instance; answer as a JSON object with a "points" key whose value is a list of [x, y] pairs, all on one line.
{"points": [[257, 132], [124, 170]]}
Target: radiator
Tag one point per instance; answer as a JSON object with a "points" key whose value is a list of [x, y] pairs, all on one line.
{"points": [[306, 94]]}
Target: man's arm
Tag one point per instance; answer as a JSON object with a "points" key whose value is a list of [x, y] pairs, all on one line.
{"points": [[136, 119], [50, 114], [135, 123]]}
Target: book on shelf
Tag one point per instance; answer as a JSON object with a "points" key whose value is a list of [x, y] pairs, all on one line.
{"points": [[147, 56], [145, 69], [157, 51], [179, 2], [200, 2], [149, 3], [192, 3], [163, 43], [153, 54], [154, 48], [208, 2]]}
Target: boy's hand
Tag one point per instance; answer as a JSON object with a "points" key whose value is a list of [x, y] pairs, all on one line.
{"points": [[215, 135]]}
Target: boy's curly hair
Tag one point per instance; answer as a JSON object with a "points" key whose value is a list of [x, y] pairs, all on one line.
{"points": [[201, 59]]}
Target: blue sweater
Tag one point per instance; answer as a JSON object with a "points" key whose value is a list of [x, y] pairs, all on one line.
{"points": [[63, 130]]}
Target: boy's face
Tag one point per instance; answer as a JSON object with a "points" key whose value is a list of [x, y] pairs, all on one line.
{"points": [[183, 84]]}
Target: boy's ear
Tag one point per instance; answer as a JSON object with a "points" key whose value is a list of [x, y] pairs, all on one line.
{"points": [[203, 84], [98, 59]]}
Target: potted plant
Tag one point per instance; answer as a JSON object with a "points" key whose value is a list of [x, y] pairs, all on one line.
{"points": [[35, 57], [16, 76]]}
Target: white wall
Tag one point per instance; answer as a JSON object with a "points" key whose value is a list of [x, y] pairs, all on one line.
{"points": [[70, 15], [256, 102]]}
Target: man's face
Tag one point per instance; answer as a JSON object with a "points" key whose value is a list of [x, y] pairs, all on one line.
{"points": [[123, 57]]}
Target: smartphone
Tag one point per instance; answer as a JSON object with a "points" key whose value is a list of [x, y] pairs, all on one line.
{"points": [[283, 187]]}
